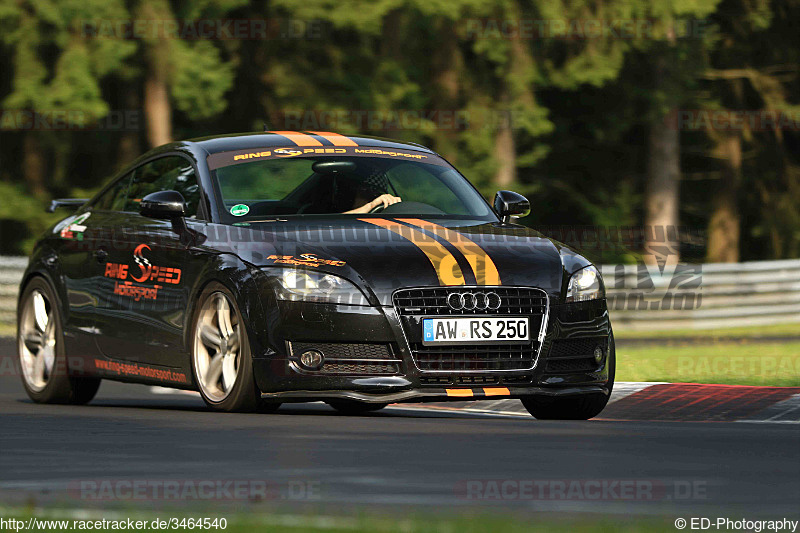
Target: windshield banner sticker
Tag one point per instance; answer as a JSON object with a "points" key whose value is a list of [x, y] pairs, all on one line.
{"points": [[226, 159]]}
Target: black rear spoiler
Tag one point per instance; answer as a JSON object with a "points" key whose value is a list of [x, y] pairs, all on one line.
{"points": [[73, 203]]}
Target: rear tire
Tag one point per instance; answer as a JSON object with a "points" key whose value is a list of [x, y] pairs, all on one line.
{"points": [[582, 407], [355, 408], [44, 366], [222, 364]]}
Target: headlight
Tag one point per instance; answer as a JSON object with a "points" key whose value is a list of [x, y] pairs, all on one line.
{"points": [[585, 285], [307, 286]]}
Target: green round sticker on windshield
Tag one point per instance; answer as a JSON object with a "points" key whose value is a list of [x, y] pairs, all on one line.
{"points": [[239, 210]]}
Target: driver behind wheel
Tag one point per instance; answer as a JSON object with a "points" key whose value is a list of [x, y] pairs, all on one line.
{"points": [[373, 187]]}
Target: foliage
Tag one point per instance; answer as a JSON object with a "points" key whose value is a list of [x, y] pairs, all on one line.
{"points": [[577, 104]]}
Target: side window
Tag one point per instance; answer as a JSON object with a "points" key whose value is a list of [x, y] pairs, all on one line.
{"points": [[115, 197], [167, 173]]}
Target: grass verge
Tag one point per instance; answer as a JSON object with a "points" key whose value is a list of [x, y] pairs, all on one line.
{"points": [[732, 363], [776, 330]]}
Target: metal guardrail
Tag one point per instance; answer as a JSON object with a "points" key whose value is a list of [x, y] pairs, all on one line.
{"points": [[703, 296], [697, 296], [11, 269]]}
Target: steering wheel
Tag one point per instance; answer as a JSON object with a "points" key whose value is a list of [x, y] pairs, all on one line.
{"points": [[379, 208]]}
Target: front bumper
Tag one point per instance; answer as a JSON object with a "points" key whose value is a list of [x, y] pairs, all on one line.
{"points": [[554, 373]]}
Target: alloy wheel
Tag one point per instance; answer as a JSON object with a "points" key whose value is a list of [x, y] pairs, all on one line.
{"points": [[37, 341], [217, 347]]}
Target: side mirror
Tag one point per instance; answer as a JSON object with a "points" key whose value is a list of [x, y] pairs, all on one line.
{"points": [[163, 204], [510, 204]]}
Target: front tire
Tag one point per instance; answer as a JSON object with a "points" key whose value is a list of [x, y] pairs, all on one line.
{"points": [[40, 346], [581, 407], [221, 360]]}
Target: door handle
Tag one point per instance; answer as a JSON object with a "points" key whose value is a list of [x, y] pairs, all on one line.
{"points": [[101, 256]]}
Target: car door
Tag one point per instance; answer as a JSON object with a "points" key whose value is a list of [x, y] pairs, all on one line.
{"points": [[151, 305], [120, 331], [82, 262]]}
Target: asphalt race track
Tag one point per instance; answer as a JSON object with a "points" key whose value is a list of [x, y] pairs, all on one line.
{"points": [[398, 457]]}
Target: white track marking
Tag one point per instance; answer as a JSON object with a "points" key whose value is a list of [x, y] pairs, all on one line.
{"points": [[785, 412]]}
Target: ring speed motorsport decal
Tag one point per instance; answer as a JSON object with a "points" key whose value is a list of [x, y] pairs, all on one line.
{"points": [[147, 272]]}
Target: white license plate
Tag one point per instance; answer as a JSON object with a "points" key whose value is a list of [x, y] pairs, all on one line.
{"points": [[476, 330]]}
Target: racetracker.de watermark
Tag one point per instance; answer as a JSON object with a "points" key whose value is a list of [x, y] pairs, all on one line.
{"points": [[581, 29], [210, 29], [194, 490], [735, 120], [580, 489], [391, 119], [70, 120]]}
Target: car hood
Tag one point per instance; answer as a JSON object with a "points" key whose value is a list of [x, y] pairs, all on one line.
{"points": [[382, 255]]}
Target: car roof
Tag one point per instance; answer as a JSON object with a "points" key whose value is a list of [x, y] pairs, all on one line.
{"points": [[248, 141]]}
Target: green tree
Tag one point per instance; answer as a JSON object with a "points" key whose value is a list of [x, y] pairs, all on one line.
{"points": [[177, 67], [57, 72]]}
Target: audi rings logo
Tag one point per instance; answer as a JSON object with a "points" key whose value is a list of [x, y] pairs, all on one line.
{"points": [[473, 301]]}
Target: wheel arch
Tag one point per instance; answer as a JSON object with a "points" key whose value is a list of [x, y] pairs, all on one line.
{"points": [[235, 275], [39, 270]]}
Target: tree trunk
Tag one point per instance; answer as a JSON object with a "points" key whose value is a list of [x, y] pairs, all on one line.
{"points": [[33, 165], [505, 150], [158, 113], [505, 143], [723, 228], [129, 148], [447, 65], [662, 192]]}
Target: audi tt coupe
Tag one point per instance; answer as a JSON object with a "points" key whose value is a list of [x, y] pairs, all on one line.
{"points": [[284, 266]]}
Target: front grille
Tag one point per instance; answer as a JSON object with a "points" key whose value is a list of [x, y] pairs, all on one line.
{"points": [[565, 348], [413, 304], [517, 380], [430, 301], [574, 355], [342, 350], [438, 380], [474, 357], [351, 358], [477, 380], [338, 368], [579, 311]]}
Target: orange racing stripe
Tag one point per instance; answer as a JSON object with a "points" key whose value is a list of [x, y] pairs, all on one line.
{"points": [[335, 138], [300, 139], [462, 393], [482, 265], [445, 265], [496, 391]]}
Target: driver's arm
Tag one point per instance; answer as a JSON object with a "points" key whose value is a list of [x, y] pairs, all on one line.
{"points": [[385, 200]]}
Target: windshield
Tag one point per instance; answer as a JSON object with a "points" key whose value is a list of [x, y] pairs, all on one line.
{"points": [[346, 181]]}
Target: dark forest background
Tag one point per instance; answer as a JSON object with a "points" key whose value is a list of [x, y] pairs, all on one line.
{"points": [[605, 113]]}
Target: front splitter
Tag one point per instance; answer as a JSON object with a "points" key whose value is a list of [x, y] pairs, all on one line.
{"points": [[430, 395]]}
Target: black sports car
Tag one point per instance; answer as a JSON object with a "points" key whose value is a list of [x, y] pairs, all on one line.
{"points": [[290, 267]]}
